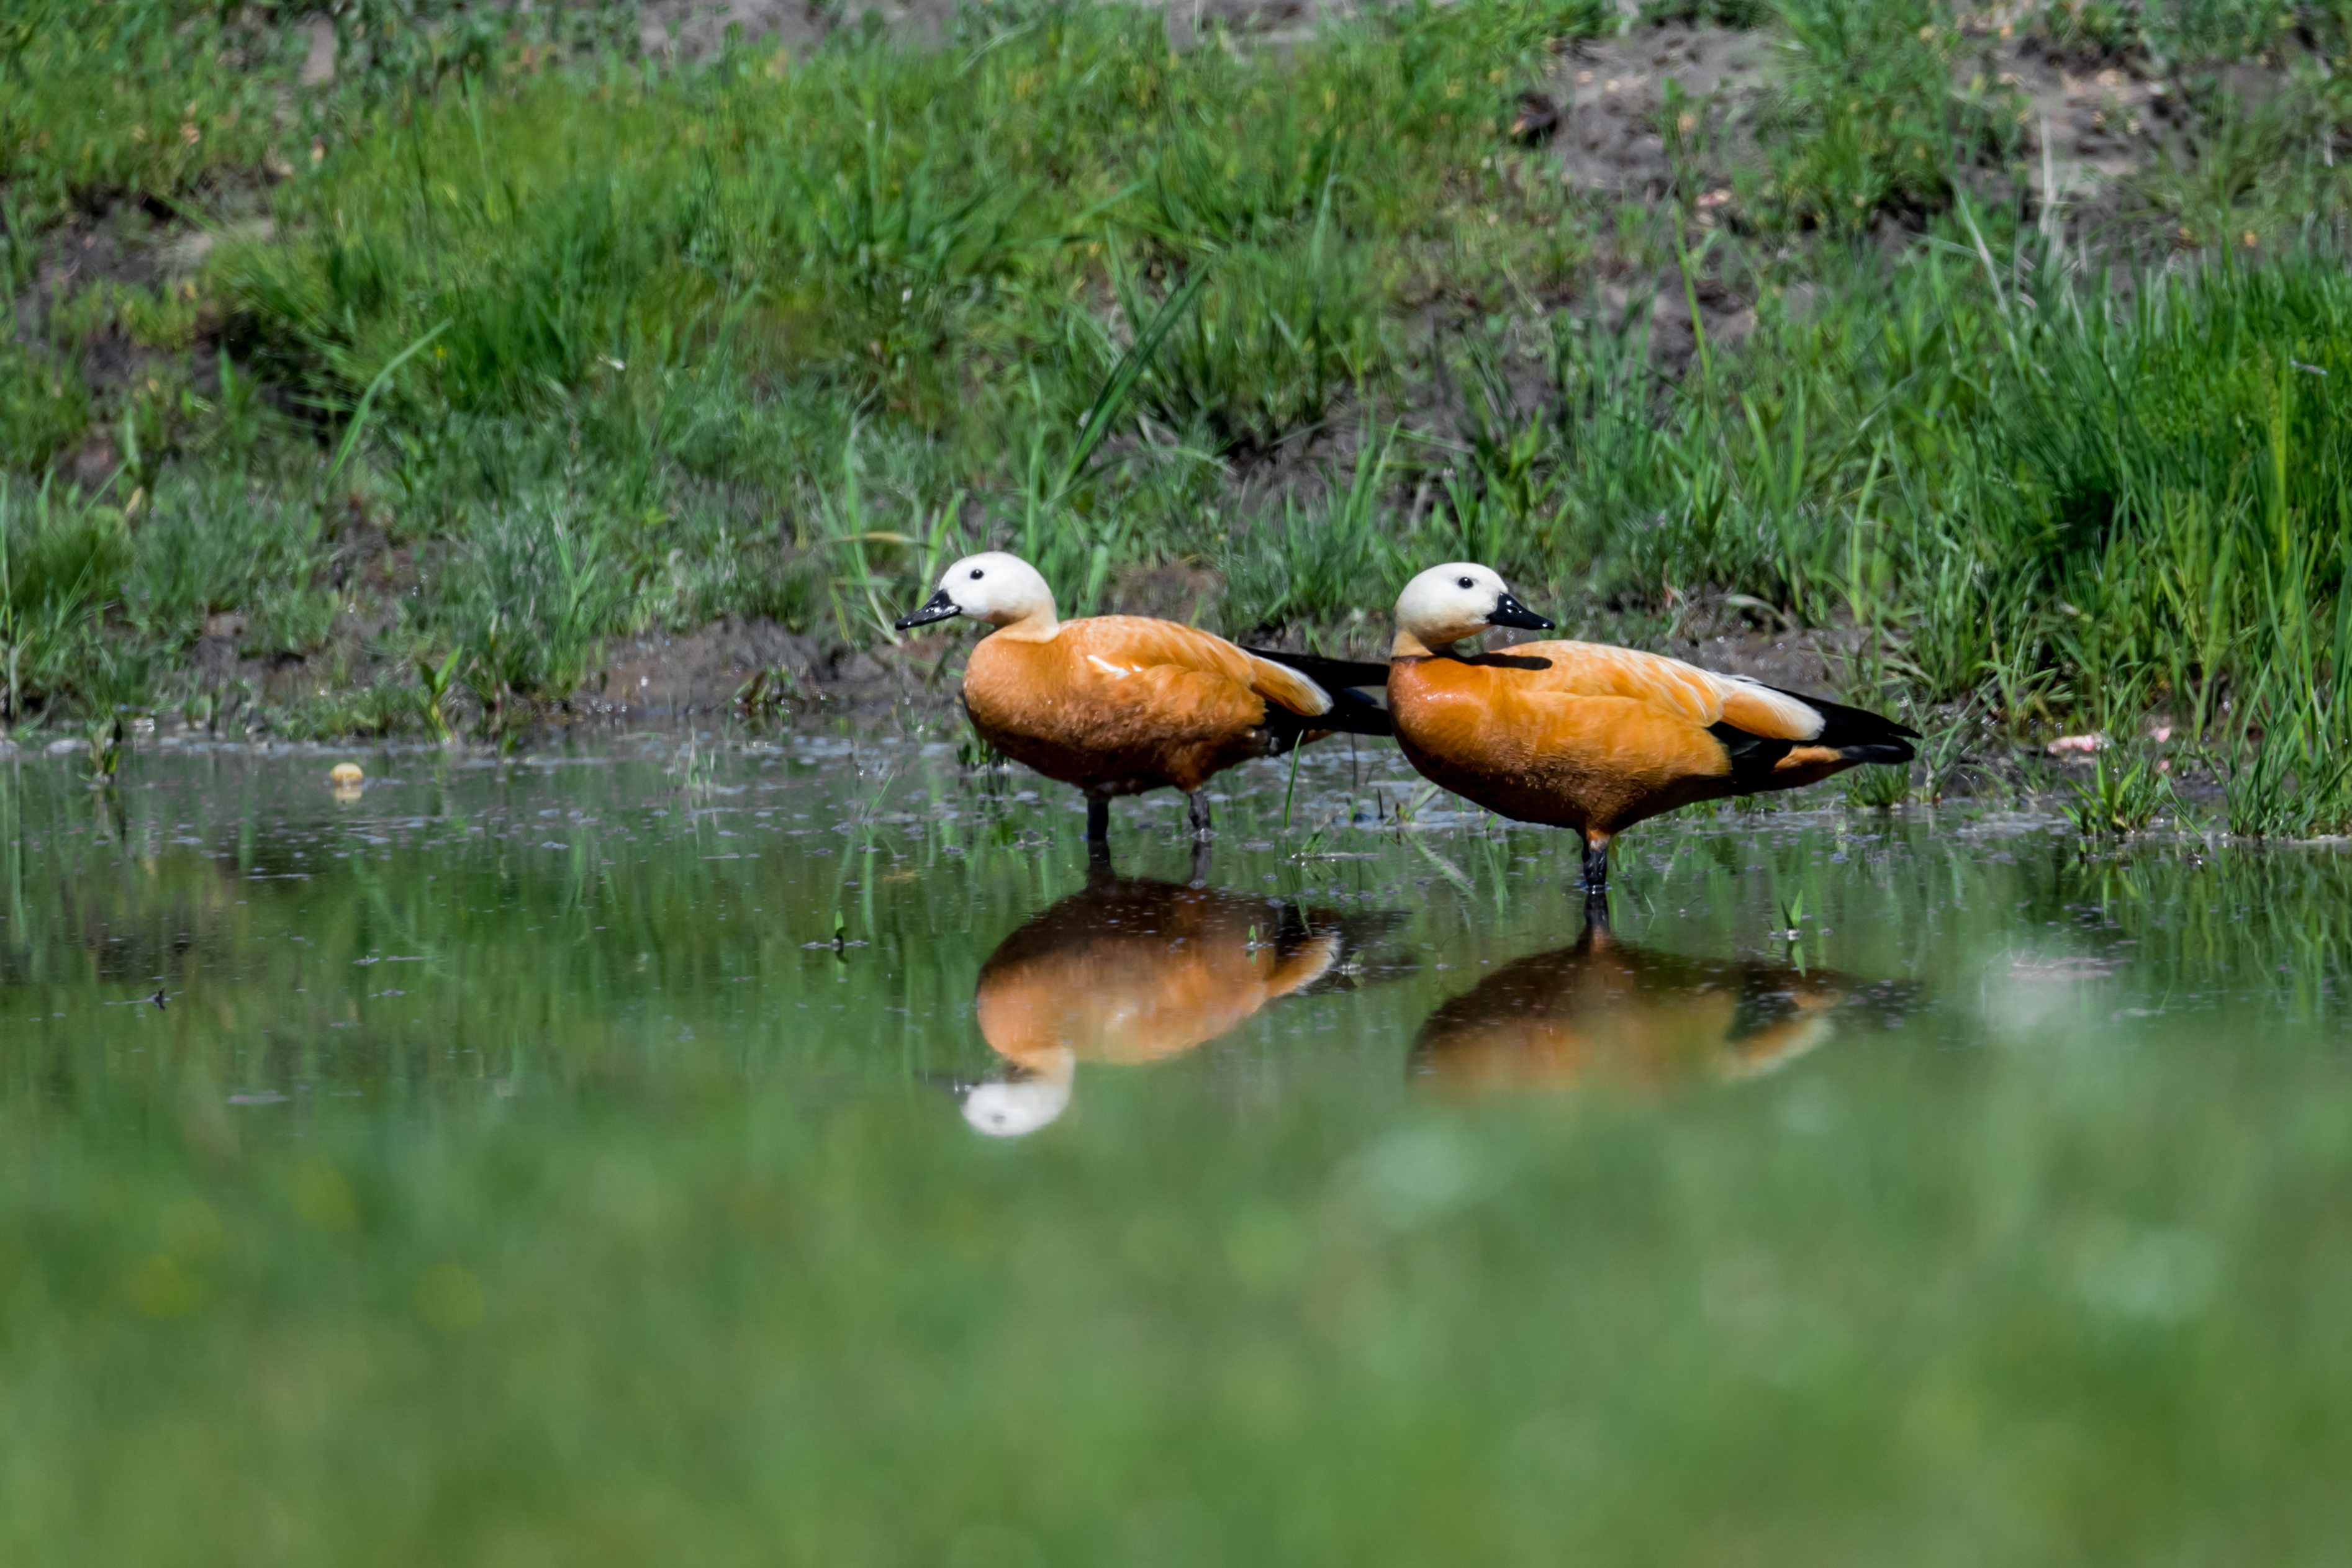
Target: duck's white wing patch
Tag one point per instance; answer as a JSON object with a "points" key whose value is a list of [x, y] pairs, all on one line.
{"points": [[1804, 720], [1115, 672]]}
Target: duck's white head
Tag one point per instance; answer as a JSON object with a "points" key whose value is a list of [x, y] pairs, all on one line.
{"points": [[1000, 589], [1447, 604], [1016, 1107]]}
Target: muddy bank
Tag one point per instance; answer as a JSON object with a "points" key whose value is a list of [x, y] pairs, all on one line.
{"points": [[740, 664]]}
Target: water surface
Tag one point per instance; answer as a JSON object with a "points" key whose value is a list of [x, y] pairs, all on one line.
{"points": [[792, 1148], [860, 916]]}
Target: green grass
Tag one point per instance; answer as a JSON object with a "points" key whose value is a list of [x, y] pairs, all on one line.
{"points": [[2124, 794], [44, 403], [735, 330]]}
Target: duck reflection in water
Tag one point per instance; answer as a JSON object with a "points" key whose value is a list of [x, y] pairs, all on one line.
{"points": [[1604, 1012], [1133, 971]]}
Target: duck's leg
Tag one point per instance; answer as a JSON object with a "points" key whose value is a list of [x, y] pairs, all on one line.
{"points": [[1596, 864], [1197, 805], [1097, 819], [1596, 914]]}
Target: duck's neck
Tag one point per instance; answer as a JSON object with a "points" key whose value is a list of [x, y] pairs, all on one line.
{"points": [[1408, 645], [1037, 626], [1052, 1064]]}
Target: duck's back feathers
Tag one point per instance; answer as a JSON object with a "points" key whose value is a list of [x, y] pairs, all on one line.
{"points": [[1718, 702], [1123, 646], [1702, 697], [1588, 736], [1119, 703]]}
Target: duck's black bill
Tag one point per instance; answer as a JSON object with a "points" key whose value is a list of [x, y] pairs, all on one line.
{"points": [[939, 607], [1509, 612]]}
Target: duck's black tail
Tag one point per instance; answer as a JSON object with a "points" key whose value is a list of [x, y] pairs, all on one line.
{"points": [[1857, 734], [1366, 937], [1359, 691]]}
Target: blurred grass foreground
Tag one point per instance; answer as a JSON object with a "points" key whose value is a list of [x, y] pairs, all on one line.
{"points": [[2012, 1311]]}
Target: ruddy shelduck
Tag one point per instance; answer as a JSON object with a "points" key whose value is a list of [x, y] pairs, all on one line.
{"points": [[1584, 736], [1604, 1013], [1129, 971], [1117, 704]]}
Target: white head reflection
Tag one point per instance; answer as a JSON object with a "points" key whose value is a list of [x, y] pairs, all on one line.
{"points": [[1013, 1108]]}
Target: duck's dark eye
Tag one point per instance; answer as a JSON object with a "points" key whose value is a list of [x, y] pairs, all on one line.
{"points": [[1458, 583], [975, 574]]}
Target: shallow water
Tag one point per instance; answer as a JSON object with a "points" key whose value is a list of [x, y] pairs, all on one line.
{"points": [[858, 917]]}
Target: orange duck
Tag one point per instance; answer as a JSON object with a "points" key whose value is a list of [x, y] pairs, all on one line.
{"points": [[1129, 971], [1604, 1012], [1117, 704], [1583, 735]]}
